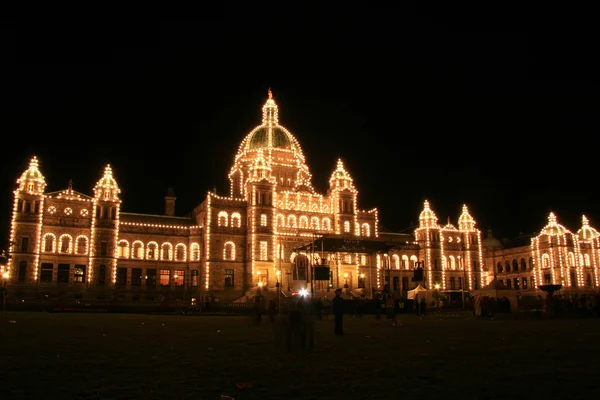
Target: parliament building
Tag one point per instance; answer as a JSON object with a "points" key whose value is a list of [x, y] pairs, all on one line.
{"points": [[273, 232]]}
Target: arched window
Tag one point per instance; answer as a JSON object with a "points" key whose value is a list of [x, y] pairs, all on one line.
{"points": [[236, 220], [292, 221], [530, 263], [326, 224], [152, 251], [346, 226], [263, 219], [515, 265], [396, 261], [138, 250], [65, 243], [507, 264], [280, 221], [405, 262], [365, 230], [303, 222], [223, 219], [49, 243], [452, 262], [195, 252], [180, 252], [314, 223], [82, 245], [499, 267], [123, 249], [229, 251], [166, 251], [523, 264]]}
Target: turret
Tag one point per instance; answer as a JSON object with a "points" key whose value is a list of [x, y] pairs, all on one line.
{"points": [[105, 226], [170, 202], [341, 187]]}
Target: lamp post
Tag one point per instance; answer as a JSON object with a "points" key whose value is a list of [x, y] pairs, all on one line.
{"points": [[277, 273]]}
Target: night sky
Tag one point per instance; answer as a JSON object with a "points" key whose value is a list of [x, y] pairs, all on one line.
{"points": [[500, 118]]}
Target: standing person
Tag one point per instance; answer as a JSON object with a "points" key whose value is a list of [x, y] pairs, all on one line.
{"points": [[390, 311], [338, 311]]}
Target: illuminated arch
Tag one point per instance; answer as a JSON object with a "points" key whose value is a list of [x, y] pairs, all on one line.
{"points": [[229, 251], [326, 224], [123, 249], [236, 220], [65, 244], [81, 244], [223, 219], [365, 230], [396, 261], [166, 251], [280, 221], [405, 262], [181, 252], [49, 243], [195, 250], [413, 261], [314, 223], [303, 222], [292, 221], [152, 251], [137, 250], [346, 226]]}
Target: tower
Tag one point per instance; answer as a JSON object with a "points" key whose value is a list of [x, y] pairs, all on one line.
{"points": [[105, 229]]}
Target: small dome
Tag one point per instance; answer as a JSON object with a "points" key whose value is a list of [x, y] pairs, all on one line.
{"points": [[427, 218], [553, 228], [586, 233], [491, 242], [32, 179]]}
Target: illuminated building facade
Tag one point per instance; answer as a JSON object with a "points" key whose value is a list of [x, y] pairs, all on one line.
{"points": [[272, 230]]}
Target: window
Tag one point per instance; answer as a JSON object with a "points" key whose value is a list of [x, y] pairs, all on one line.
{"points": [[79, 273], [165, 277], [64, 244], [194, 278], [195, 252], [236, 220], [49, 243], [396, 283], [25, 245], [81, 245], [263, 220], [121, 277], [547, 278], [152, 254], [346, 226], [136, 277], [180, 252], [363, 260], [178, 277], [229, 251], [509, 283], [229, 278], [264, 250], [452, 283], [516, 283], [123, 249], [63, 273], [101, 275], [151, 278], [524, 283]]}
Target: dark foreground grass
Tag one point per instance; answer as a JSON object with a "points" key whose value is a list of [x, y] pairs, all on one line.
{"points": [[450, 356]]}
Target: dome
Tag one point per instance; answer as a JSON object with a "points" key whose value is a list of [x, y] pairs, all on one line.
{"points": [[269, 137], [491, 242], [32, 179], [553, 228], [427, 218], [586, 232]]}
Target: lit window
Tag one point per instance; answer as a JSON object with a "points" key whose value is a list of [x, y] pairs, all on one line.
{"points": [[263, 220], [264, 250]]}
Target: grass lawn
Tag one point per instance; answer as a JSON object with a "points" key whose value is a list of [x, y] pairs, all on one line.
{"points": [[446, 356]]}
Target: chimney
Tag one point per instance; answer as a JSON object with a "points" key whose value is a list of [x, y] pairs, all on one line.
{"points": [[170, 202]]}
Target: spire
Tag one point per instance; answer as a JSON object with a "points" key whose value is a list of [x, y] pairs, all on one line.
{"points": [[270, 111], [340, 179], [466, 222]]}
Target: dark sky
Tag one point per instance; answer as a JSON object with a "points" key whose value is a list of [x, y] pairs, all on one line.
{"points": [[498, 117]]}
